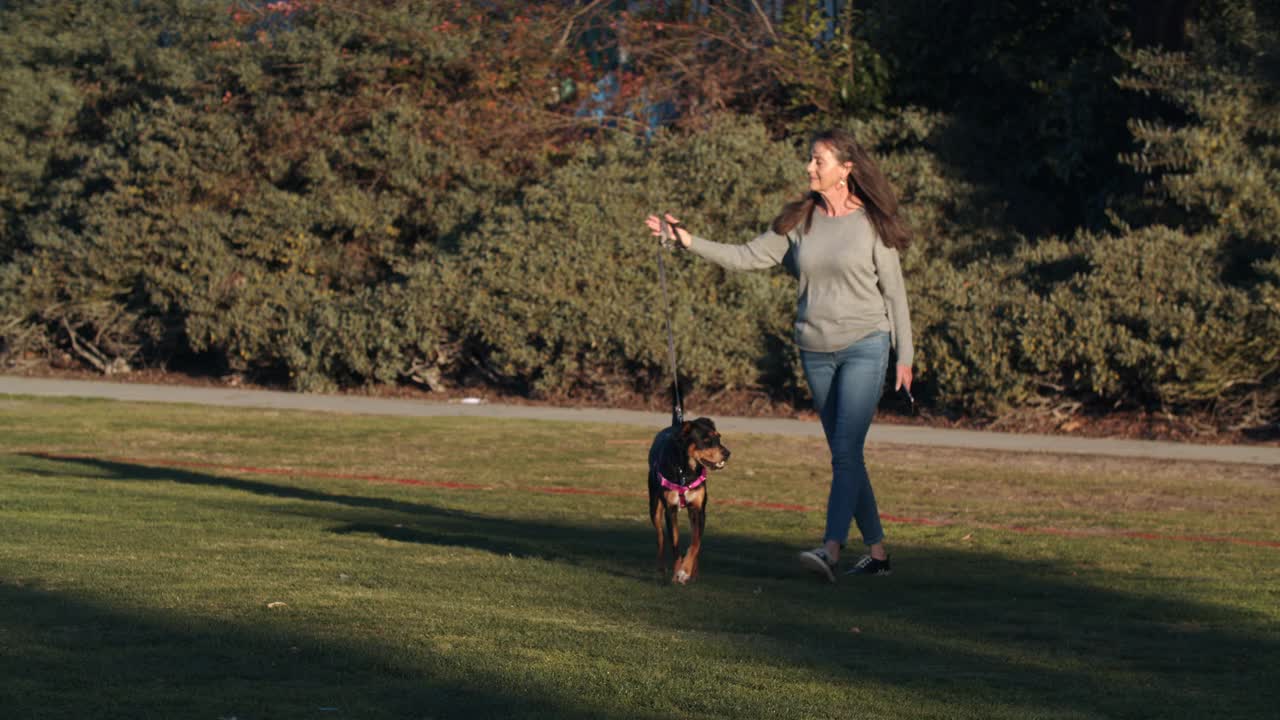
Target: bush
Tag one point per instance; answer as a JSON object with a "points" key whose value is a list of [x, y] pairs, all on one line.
{"points": [[1212, 178], [565, 289], [1142, 324], [248, 187], [340, 193]]}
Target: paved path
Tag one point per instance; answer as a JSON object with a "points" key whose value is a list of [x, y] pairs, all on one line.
{"points": [[880, 432]]}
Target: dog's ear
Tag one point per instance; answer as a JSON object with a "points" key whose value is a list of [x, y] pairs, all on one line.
{"points": [[686, 428]]}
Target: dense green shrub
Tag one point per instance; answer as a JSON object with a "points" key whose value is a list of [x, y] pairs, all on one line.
{"points": [[1176, 307], [1140, 322], [1213, 176], [567, 296], [264, 185], [336, 193]]}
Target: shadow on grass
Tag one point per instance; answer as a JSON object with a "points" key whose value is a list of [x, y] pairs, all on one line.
{"points": [[611, 546], [993, 630], [982, 626], [65, 657]]}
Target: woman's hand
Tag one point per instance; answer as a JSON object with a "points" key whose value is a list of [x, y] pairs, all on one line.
{"points": [[904, 378], [682, 236]]}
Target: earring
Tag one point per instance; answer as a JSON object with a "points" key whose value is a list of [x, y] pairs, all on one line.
{"points": [[841, 183]]}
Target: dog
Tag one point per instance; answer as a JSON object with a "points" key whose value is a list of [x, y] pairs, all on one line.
{"points": [[679, 460]]}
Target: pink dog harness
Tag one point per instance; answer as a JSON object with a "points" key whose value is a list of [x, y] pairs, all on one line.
{"points": [[682, 489]]}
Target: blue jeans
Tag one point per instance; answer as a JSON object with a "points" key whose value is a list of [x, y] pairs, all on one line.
{"points": [[846, 386]]}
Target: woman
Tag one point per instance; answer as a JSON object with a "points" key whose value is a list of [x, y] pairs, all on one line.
{"points": [[841, 241]]}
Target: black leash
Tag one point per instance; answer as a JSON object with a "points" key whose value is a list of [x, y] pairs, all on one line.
{"points": [[668, 235]]}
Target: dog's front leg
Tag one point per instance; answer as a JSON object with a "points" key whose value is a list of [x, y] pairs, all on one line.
{"points": [[697, 521], [673, 538], [657, 513]]}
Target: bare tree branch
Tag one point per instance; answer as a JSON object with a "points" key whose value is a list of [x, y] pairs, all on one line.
{"points": [[568, 27], [765, 19]]}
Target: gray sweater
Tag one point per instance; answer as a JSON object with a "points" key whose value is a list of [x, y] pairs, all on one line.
{"points": [[850, 283]]}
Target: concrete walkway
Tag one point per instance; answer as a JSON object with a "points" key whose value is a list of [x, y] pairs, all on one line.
{"points": [[880, 432]]}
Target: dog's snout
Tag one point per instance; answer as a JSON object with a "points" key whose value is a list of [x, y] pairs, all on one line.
{"points": [[725, 450]]}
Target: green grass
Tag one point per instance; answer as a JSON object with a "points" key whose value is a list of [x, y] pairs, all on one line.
{"points": [[140, 561]]}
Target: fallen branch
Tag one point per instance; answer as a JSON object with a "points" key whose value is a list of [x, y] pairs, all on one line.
{"points": [[91, 354]]}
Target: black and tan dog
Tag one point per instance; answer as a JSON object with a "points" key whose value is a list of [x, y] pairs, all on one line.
{"points": [[679, 460]]}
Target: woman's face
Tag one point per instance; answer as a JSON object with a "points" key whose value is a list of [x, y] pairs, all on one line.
{"points": [[825, 171]]}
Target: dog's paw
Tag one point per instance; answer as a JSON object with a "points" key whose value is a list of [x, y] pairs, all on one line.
{"points": [[681, 577]]}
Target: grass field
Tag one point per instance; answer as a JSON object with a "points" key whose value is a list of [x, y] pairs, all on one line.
{"points": [[190, 562]]}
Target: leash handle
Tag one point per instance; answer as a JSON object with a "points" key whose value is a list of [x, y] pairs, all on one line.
{"points": [[677, 405]]}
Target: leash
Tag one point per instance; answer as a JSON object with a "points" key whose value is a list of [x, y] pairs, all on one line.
{"points": [[667, 235]]}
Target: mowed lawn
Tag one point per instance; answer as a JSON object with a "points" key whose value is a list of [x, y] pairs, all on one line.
{"points": [[191, 562]]}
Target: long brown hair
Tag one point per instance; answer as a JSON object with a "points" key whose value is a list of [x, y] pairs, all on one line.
{"points": [[866, 182]]}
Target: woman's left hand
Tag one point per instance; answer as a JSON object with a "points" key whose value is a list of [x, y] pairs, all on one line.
{"points": [[904, 378]]}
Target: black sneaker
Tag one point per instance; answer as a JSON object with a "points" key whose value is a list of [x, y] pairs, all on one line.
{"points": [[819, 562], [868, 565]]}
